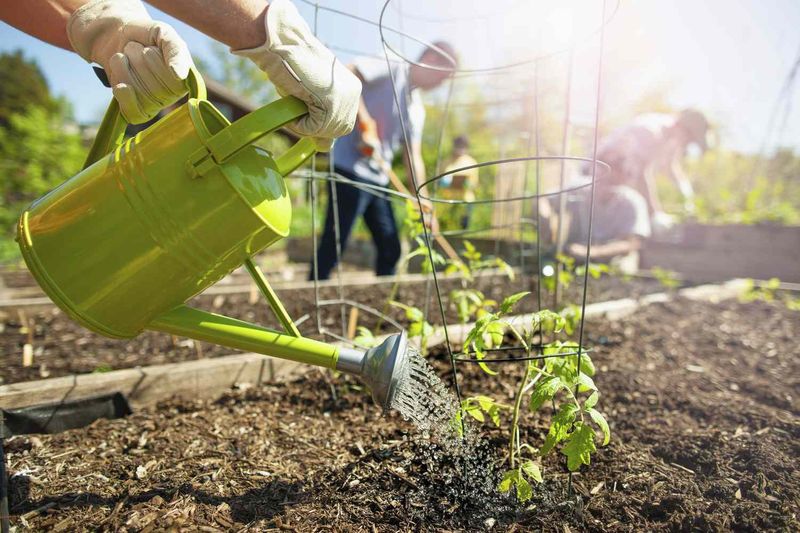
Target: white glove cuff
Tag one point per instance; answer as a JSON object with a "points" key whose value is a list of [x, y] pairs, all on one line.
{"points": [[96, 17]]}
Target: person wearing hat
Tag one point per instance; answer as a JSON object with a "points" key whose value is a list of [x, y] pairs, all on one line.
{"points": [[146, 61], [627, 209], [655, 144], [391, 117]]}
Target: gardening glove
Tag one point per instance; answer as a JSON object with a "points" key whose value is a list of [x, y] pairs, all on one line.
{"points": [[145, 61], [369, 144], [662, 222], [299, 65]]}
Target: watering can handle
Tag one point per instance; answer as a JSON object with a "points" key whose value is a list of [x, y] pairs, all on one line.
{"points": [[259, 123], [112, 129]]}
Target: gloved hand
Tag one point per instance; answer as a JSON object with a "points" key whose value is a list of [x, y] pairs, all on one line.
{"points": [[662, 222], [146, 61], [370, 143], [300, 65]]}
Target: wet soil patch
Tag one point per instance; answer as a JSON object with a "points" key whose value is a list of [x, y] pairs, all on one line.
{"points": [[702, 401]]}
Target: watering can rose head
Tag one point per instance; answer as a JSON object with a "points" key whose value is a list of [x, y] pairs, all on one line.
{"points": [[383, 368]]}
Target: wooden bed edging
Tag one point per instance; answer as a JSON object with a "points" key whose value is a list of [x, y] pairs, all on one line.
{"points": [[204, 378], [615, 309], [208, 378]]}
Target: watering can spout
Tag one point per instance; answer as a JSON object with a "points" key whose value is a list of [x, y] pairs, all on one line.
{"points": [[381, 368]]}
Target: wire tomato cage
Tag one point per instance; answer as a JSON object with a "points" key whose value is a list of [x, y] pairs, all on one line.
{"points": [[543, 156]]}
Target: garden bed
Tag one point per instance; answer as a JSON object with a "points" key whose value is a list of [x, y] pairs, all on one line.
{"points": [[701, 400], [62, 347]]}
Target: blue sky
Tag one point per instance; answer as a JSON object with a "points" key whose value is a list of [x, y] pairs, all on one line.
{"points": [[728, 58]]}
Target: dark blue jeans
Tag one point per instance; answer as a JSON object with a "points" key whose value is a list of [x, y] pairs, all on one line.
{"points": [[352, 203]]}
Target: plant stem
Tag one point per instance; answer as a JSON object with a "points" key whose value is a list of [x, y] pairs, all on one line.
{"points": [[517, 404]]}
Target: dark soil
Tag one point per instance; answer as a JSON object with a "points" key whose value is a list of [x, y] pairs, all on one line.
{"points": [[62, 347], [702, 401]]}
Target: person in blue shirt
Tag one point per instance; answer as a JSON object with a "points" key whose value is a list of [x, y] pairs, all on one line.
{"points": [[390, 101]]}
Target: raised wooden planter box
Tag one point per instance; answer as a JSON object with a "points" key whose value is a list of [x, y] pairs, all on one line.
{"points": [[703, 253]]}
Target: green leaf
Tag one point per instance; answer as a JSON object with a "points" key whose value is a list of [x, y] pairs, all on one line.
{"points": [[565, 260], [485, 402], [591, 401], [585, 383], [505, 268], [508, 304], [600, 420], [524, 490], [475, 412], [548, 321], [531, 469], [587, 365], [509, 479], [494, 415], [544, 390], [458, 266], [579, 447], [365, 338], [412, 313], [559, 426], [471, 253], [490, 407], [496, 331], [480, 355]]}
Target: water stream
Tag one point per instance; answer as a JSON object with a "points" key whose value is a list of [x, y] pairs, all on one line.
{"points": [[462, 466]]}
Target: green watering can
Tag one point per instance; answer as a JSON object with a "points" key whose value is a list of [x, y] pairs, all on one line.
{"points": [[153, 221]]}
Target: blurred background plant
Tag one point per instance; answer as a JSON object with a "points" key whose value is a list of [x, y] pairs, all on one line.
{"points": [[40, 144]]}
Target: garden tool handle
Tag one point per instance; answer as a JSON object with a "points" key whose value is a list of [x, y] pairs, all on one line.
{"points": [[259, 123], [112, 129], [400, 186]]}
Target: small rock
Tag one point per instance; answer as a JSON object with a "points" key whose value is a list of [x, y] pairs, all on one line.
{"points": [[489, 523], [141, 472]]}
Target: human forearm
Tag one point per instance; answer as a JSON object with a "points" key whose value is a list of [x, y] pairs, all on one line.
{"points": [[606, 250], [651, 195], [237, 23], [44, 19], [682, 182]]}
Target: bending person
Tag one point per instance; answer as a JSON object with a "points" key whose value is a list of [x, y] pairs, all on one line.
{"points": [[655, 144]]}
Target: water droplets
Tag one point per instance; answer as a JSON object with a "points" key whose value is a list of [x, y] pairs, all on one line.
{"points": [[457, 465]]}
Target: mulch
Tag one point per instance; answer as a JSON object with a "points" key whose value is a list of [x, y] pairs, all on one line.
{"points": [[702, 401]]}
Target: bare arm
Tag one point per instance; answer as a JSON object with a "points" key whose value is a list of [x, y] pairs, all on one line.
{"points": [[607, 250], [650, 192], [681, 180], [44, 19], [237, 23]]}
